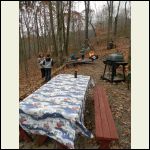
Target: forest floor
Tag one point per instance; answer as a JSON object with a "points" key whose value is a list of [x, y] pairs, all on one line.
{"points": [[119, 97]]}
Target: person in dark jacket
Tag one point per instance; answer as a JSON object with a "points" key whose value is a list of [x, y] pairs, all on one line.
{"points": [[40, 61], [48, 64], [82, 53]]}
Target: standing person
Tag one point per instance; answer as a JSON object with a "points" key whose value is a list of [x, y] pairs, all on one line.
{"points": [[40, 61], [73, 56], [48, 63], [82, 52]]}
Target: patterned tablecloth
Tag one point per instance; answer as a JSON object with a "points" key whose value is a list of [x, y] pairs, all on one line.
{"points": [[56, 109]]}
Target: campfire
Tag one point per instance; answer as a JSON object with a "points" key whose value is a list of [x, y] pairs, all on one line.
{"points": [[91, 53]]}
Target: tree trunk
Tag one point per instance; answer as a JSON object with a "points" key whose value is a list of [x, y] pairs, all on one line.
{"points": [[45, 29], [108, 32], [87, 5], [63, 36], [29, 43], [27, 21], [20, 47], [93, 29], [37, 32], [24, 49], [52, 28], [59, 31], [34, 43], [116, 22], [110, 18], [125, 25], [42, 34], [79, 35], [68, 27]]}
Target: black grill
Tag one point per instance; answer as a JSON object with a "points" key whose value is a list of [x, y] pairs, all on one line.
{"points": [[115, 57], [112, 62]]}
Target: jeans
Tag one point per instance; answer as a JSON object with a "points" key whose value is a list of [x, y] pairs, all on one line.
{"points": [[47, 74], [43, 72], [82, 56]]}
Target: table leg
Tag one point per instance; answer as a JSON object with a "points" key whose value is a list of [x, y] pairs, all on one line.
{"points": [[41, 139], [124, 72], [24, 136], [60, 146], [113, 72], [104, 72]]}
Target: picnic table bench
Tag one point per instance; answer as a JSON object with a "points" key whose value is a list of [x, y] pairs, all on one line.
{"points": [[104, 123], [79, 61]]}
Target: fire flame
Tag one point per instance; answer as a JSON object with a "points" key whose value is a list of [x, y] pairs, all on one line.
{"points": [[91, 53]]}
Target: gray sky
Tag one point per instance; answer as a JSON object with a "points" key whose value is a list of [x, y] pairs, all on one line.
{"points": [[80, 5], [96, 5]]}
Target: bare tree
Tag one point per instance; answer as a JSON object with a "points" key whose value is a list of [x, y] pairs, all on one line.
{"points": [[41, 31], [59, 31], [23, 43], [87, 6], [68, 27], [116, 22], [90, 22], [27, 21], [52, 28], [45, 27], [125, 24], [110, 19], [37, 30]]}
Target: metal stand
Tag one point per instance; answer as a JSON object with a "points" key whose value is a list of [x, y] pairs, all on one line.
{"points": [[114, 66]]}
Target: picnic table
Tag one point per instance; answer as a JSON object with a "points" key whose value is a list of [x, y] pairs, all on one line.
{"points": [[79, 61], [56, 109]]}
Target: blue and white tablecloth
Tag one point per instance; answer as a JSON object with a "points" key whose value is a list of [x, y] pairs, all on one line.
{"points": [[56, 109]]}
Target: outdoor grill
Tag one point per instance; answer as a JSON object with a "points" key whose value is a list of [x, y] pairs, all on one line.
{"points": [[112, 63]]}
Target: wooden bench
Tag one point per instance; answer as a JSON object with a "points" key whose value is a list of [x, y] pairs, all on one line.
{"points": [[104, 123]]}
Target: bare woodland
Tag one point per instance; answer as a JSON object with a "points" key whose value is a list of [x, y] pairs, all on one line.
{"points": [[58, 28]]}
